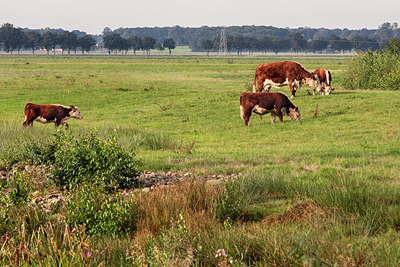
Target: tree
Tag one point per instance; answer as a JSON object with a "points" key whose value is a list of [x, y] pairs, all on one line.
{"points": [[11, 38], [135, 43], [237, 43], [338, 44], [265, 44], [148, 43], [207, 45], [32, 40], [170, 44], [317, 45], [68, 40], [296, 41], [114, 42], [86, 43], [49, 41]]}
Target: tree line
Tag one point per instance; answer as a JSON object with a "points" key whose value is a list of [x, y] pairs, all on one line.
{"points": [[239, 39], [14, 38]]}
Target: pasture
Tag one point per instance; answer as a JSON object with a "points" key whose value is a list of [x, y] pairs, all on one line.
{"points": [[182, 114]]}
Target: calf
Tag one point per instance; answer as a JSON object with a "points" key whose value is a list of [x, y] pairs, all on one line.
{"points": [[278, 74], [326, 80], [50, 113], [262, 103]]}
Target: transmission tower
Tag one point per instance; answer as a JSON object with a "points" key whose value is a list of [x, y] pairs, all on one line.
{"points": [[223, 48]]}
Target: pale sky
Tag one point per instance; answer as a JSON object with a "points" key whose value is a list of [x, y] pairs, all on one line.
{"points": [[92, 16]]}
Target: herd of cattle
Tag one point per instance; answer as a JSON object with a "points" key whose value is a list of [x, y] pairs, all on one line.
{"points": [[275, 74], [278, 74]]}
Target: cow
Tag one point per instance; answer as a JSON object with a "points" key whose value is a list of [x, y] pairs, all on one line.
{"points": [[325, 79], [261, 103], [57, 114], [281, 73]]}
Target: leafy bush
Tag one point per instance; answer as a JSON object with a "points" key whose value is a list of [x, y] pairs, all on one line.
{"points": [[78, 158], [89, 158], [99, 213], [379, 70]]}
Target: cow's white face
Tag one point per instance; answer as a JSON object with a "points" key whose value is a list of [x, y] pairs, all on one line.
{"points": [[75, 113], [328, 90], [294, 114]]}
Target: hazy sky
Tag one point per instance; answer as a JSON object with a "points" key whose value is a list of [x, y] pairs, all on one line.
{"points": [[92, 16]]}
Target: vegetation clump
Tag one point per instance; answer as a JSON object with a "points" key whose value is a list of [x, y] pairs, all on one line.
{"points": [[75, 159], [375, 70]]}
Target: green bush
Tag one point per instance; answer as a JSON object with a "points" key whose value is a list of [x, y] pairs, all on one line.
{"points": [[99, 213], [80, 158], [379, 70]]}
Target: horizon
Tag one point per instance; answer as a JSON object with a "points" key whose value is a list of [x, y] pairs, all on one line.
{"points": [[93, 16], [193, 27]]}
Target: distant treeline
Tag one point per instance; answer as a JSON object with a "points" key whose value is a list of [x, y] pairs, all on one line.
{"points": [[239, 39]]}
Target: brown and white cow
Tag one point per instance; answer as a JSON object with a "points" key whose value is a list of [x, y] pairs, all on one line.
{"points": [[276, 103], [57, 114], [281, 73], [325, 79]]}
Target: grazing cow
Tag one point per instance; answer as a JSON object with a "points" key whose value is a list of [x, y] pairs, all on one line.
{"points": [[325, 79], [278, 74], [262, 103], [50, 113]]}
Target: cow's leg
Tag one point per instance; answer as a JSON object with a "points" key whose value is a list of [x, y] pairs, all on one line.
{"points": [[267, 88], [292, 89], [246, 113], [279, 113], [273, 117], [27, 123]]}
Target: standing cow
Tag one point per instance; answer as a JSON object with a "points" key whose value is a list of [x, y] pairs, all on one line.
{"points": [[325, 79], [50, 113], [278, 74], [262, 103]]}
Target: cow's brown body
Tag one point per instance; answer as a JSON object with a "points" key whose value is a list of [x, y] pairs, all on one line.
{"points": [[278, 74], [262, 103], [50, 113], [325, 79]]}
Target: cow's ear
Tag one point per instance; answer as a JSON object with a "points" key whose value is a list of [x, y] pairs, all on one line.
{"points": [[296, 109], [72, 107]]}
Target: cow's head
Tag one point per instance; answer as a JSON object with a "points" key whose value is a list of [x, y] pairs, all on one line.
{"points": [[294, 114], [314, 82], [75, 113], [328, 90]]}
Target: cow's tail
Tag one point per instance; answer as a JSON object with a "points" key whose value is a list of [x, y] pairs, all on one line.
{"points": [[254, 83]]}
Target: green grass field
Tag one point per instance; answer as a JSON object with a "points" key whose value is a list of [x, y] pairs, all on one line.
{"points": [[345, 159]]}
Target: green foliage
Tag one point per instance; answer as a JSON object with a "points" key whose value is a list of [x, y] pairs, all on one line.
{"points": [[30, 153], [228, 206], [99, 213], [86, 157], [76, 158], [375, 70], [19, 188]]}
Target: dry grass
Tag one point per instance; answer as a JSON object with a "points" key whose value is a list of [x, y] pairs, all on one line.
{"points": [[161, 206]]}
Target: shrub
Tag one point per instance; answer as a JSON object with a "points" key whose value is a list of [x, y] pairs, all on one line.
{"points": [[89, 158], [379, 70], [78, 158], [99, 213]]}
